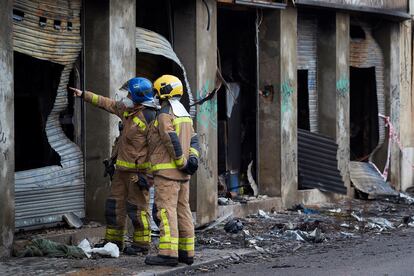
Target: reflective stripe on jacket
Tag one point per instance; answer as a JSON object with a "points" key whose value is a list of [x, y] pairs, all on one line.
{"points": [[169, 143], [132, 144]]}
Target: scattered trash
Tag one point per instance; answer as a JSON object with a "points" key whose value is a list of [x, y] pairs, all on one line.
{"points": [[338, 210], [358, 218], [218, 221], [224, 201], [297, 207], [382, 222], [308, 211], [260, 249], [345, 225], [296, 248], [407, 198], [347, 235], [233, 226], [316, 236], [72, 220], [250, 178], [110, 249], [48, 248], [263, 214]]}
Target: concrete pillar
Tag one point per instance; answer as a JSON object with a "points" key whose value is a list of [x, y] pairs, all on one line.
{"points": [[196, 45], [269, 106], [327, 74], [333, 84], [395, 100], [406, 107], [6, 129], [109, 62], [288, 98], [342, 97]]}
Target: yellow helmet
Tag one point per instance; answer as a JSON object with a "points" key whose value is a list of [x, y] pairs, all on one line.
{"points": [[168, 86]]}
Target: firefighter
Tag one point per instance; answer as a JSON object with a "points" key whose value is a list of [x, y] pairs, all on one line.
{"points": [[129, 190], [174, 153]]}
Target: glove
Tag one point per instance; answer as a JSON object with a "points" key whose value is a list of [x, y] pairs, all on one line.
{"points": [[142, 182], [191, 166], [109, 168]]}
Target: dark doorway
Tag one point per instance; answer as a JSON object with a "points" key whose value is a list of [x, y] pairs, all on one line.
{"points": [[363, 113], [35, 87], [303, 100], [237, 100]]}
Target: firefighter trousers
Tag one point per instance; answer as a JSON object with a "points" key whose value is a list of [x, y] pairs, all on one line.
{"points": [[127, 198], [174, 214]]}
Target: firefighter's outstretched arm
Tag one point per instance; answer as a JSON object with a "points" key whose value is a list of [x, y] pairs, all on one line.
{"points": [[105, 103], [170, 139]]}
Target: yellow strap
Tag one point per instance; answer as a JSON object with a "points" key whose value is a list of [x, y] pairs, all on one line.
{"points": [[95, 99], [114, 238], [142, 233], [164, 219], [125, 114], [145, 221], [194, 152], [126, 164], [168, 246], [156, 123], [130, 165], [164, 166], [179, 162], [178, 121], [115, 232], [139, 123], [186, 247], [186, 240], [142, 239]]}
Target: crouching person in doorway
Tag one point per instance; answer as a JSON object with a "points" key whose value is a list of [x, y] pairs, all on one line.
{"points": [[129, 188], [174, 153]]}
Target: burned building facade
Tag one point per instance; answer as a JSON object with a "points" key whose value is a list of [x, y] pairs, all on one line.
{"points": [[285, 96]]}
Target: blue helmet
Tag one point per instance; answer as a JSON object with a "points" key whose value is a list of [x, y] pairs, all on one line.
{"points": [[141, 90]]}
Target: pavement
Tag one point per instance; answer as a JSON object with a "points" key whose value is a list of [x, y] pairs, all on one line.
{"points": [[346, 238], [387, 255]]}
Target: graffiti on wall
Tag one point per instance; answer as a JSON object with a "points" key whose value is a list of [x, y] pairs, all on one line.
{"points": [[342, 86], [207, 112], [286, 89]]}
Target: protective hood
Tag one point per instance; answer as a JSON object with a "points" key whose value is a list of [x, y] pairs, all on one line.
{"points": [[152, 104], [177, 108]]}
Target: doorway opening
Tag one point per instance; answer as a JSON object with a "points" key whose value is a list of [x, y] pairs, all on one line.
{"points": [[363, 113], [303, 100], [35, 87], [237, 101]]}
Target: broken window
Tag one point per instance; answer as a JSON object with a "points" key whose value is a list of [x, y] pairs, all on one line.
{"points": [[364, 129], [35, 85]]}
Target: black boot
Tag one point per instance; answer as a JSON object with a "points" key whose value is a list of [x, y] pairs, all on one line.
{"points": [[161, 260], [183, 258], [135, 250]]}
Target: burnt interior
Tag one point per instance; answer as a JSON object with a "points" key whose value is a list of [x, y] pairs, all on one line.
{"points": [[363, 113], [157, 16], [35, 87], [303, 100], [237, 108]]}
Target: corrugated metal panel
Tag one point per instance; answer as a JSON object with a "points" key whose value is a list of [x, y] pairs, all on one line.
{"points": [[153, 43], [365, 53], [43, 195], [307, 60], [317, 163], [368, 180]]}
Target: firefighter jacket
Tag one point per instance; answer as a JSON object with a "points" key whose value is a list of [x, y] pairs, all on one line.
{"points": [[171, 141], [132, 143]]}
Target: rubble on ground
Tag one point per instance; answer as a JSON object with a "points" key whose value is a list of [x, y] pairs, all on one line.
{"points": [[304, 226]]}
